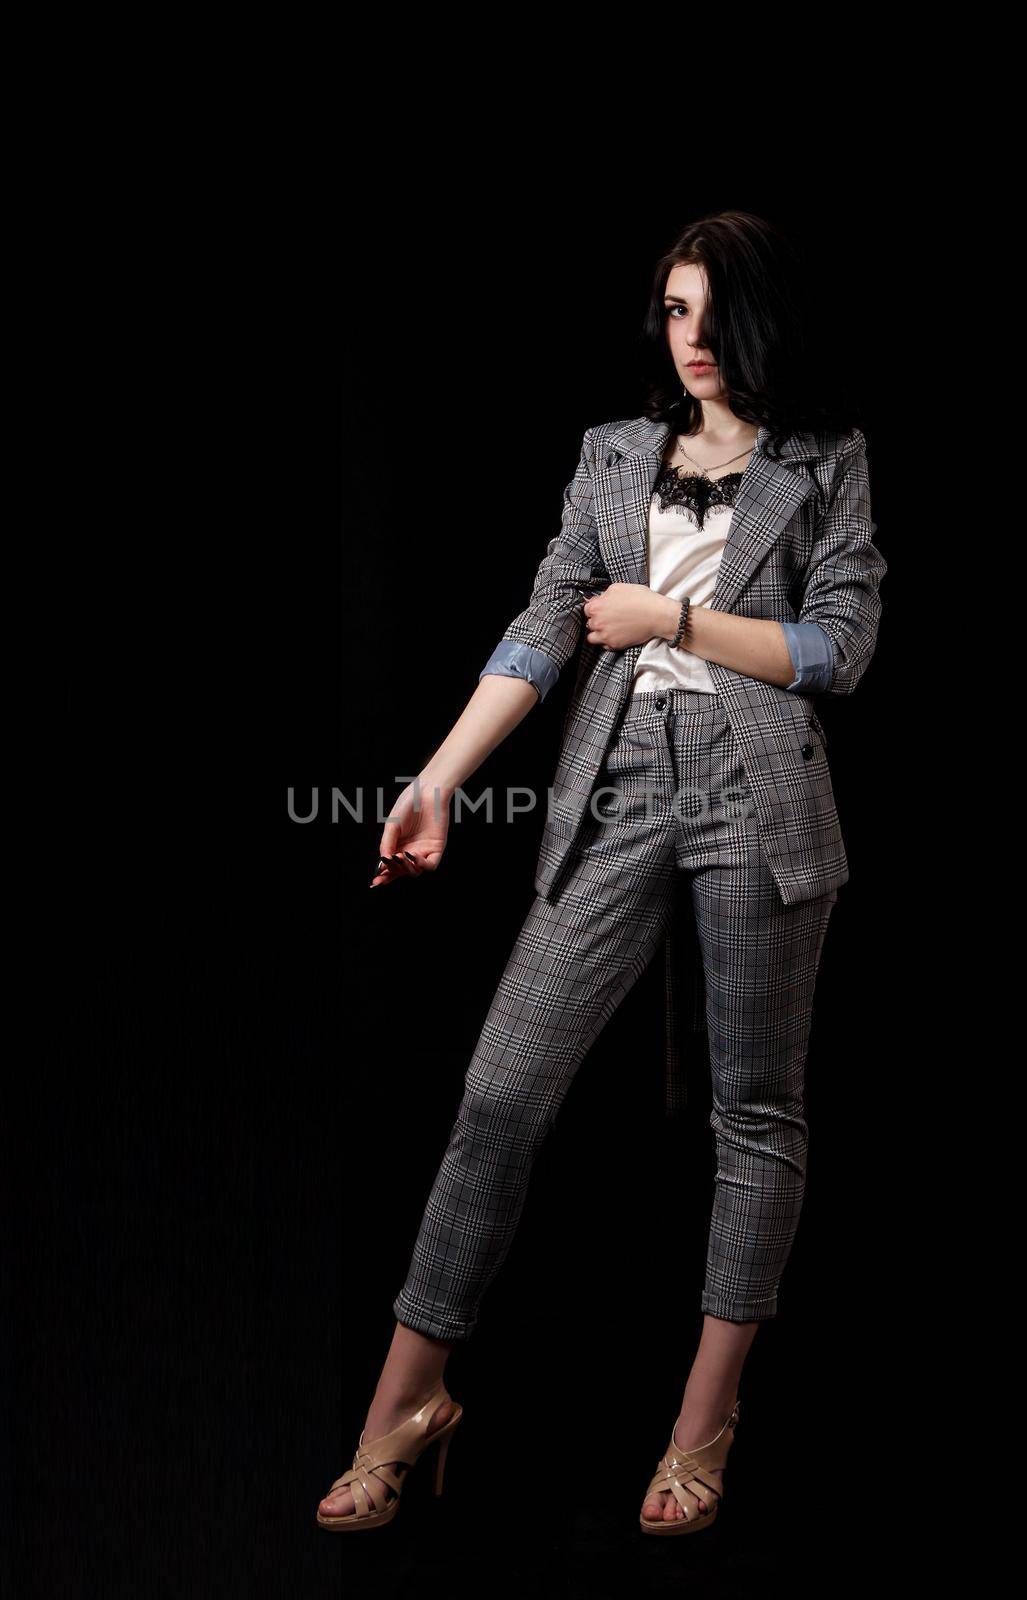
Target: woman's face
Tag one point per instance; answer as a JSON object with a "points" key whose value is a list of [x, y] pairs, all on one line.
{"points": [[684, 301]]}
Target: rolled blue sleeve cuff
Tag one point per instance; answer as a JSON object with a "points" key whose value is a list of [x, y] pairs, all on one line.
{"points": [[812, 656], [512, 660]]}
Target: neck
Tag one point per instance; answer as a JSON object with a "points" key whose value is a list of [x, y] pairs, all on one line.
{"points": [[720, 425]]}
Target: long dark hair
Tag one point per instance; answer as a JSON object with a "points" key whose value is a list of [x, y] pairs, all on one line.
{"points": [[756, 325]]}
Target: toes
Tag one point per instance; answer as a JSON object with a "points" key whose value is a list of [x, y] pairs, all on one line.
{"points": [[664, 1507]]}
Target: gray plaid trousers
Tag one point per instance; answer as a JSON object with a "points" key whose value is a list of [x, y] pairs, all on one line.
{"points": [[672, 796]]}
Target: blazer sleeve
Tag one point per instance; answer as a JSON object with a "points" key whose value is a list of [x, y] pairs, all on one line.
{"points": [[844, 573], [543, 637]]}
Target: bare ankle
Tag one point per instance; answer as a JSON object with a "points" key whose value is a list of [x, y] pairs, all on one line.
{"points": [[404, 1394]]}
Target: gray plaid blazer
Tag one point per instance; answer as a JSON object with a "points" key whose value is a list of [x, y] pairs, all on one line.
{"points": [[799, 549]]}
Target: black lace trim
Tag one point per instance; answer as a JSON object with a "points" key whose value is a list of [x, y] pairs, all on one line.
{"points": [[695, 492]]}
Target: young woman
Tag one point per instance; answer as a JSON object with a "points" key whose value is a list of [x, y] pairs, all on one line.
{"points": [[714, 572]]}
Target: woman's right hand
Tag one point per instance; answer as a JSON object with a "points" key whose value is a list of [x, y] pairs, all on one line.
{"points": [[416, 839], [413, 842]]}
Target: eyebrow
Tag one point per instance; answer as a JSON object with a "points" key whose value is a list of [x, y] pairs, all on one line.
{"points": [[678, 298]]}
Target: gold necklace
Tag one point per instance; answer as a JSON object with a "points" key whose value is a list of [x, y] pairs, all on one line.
{"points": [[706, 472]]}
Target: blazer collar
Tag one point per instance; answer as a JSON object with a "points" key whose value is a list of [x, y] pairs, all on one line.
{"points": [[641, 436], [769, 495]]}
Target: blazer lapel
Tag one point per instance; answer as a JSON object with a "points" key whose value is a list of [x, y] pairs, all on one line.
{"points": [[768, 497]]}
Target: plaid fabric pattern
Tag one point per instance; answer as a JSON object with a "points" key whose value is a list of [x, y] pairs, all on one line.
{"points": [[673, 798], [800, 549]]}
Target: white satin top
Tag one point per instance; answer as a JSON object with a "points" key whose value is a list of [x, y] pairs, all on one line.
{"points": [[684, 559]]}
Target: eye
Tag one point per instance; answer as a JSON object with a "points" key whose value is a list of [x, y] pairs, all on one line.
{"points": [[677, 308]]}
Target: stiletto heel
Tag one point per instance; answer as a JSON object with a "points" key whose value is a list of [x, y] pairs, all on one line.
{"points": [[371, 1471], [440, 1462]]}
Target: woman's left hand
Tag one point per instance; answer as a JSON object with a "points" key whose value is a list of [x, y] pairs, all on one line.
{"points": [[629, 613]]}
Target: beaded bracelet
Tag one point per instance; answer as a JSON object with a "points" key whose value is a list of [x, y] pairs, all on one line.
{"points": [[681, 624]]}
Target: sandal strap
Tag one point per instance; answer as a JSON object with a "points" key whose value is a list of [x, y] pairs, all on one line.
{"points": [[406, 1442], [690, 1507], [366, 1488], [385, 1474], [678, 1468], [372, 1463], [684, 1472]]}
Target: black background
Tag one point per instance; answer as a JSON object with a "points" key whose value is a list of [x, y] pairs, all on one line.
{"points": [[321, 432]]}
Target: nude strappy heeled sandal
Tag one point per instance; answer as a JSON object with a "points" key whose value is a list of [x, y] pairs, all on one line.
{"points": [[686, 1474], [370, 1472]]}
